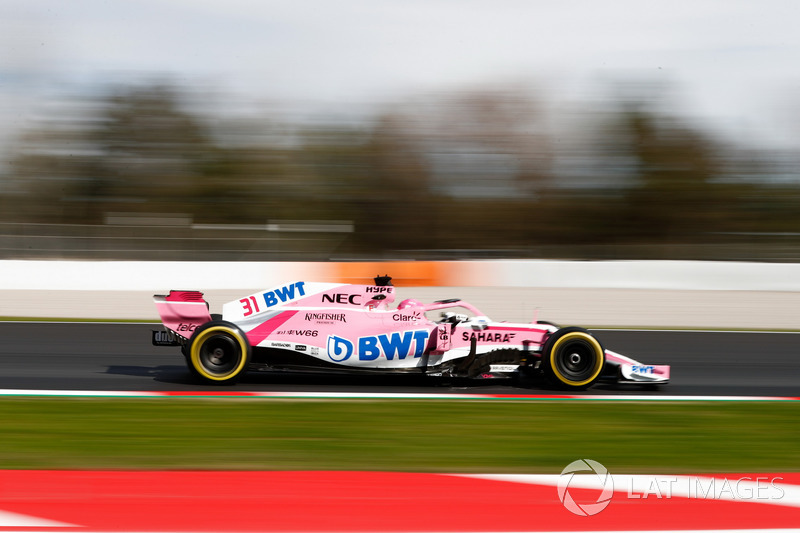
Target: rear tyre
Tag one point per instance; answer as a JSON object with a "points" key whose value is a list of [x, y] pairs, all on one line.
{"points": [[572, 358], [218, 352]]}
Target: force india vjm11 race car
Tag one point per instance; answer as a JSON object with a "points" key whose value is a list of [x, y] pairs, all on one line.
{"points": [[306, 326]]}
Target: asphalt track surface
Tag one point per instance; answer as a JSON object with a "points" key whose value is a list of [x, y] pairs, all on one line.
{"points": [[92, 357]]}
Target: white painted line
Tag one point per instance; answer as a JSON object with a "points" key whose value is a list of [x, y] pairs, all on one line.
{"points": [[776, 530], [371, 395], [676, 398], [765, 489], [77, 393], [8, 519], [388, 396]]}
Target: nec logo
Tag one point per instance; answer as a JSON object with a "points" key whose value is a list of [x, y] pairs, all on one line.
{"points": [[342, 298]]}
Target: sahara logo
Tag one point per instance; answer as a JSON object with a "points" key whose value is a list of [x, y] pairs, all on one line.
{"points": [[590, 475]]}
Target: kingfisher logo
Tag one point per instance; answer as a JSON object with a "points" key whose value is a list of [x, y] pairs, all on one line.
{"points": [[585, 474], [397, 345]]}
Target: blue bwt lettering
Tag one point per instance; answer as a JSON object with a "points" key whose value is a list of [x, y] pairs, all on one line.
{"points": [[284, 294], [397, 344]]}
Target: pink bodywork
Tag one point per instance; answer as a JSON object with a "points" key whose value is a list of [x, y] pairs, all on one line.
{"points": [[358, 326], [355, 325], [182, 311], [634, 370]]}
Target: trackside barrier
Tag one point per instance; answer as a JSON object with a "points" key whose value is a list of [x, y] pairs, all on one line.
{"points": [[154, 275], [701, 294]]}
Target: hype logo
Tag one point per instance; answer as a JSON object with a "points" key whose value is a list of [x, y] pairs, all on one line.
{"points": [[339, 349]]}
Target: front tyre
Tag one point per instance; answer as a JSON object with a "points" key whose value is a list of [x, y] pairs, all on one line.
{"points": [[218, 352], [572, 358]]}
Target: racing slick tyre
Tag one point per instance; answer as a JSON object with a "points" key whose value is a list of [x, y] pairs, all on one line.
{"points": [[572, 358], [218, 352]]}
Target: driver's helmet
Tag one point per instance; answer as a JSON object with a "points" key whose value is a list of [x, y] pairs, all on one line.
{"points": [[409, 302]]}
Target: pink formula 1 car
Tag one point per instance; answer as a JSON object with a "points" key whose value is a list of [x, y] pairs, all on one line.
{"points": [[304, 326]]}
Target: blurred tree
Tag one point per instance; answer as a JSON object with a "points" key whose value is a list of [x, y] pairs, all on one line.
{"points": [[668, 186], [448, 173], [138, 151], [376, 178], [54, 175], [453, 175], [674, 198], [458, 171], [159, 159], [395, 207], [135, 152]]}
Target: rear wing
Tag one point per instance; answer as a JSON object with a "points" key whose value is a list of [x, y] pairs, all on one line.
{"points": [[182, 311]]}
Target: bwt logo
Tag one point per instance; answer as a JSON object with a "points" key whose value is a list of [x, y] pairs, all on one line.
{"points": [[339, 348], [284, 294], [395, 345], [641, 369]]}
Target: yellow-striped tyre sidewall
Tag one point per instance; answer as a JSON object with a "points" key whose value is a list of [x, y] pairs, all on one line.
{"points": [[571, 336], [202, 337]]}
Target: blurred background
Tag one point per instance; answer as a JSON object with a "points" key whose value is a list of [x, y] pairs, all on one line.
{"points": [[359, 130]]}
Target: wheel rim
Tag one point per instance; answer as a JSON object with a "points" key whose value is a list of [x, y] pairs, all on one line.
{"points": [[218, 354], [577, 359]]}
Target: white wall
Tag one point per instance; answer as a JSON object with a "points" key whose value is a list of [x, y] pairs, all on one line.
{"points": [[153, 275], [613, 293]]}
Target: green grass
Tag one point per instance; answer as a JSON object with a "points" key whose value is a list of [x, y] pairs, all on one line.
{"points": [[407, 435]]}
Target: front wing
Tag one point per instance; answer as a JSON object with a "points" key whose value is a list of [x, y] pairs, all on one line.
{"points": [[631, 371]]}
